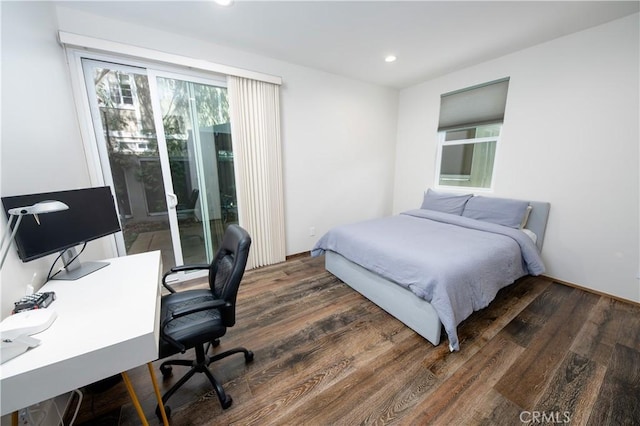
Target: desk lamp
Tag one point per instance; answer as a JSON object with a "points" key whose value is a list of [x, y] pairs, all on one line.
{"points": [[42, 207]]}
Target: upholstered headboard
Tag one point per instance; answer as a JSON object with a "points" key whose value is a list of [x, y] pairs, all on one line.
{"points": [[537, 222], [502, 211]]}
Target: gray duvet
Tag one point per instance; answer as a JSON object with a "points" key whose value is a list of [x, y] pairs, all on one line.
{"points": [[455, 263]]}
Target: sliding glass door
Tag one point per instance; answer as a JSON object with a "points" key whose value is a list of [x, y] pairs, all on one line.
{"points": [[165, 147]]}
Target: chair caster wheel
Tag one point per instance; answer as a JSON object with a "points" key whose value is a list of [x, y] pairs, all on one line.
{"points": [[215, 343], [248, 357], [227, 403], [166, 371], [167, 411]]}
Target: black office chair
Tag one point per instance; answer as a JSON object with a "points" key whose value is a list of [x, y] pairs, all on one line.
{"points": [[198, 318]]}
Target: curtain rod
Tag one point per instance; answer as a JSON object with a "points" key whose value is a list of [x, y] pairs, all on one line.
{"points": [[86, 42]]}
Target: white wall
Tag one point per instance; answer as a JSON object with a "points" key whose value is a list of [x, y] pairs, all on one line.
{"points": [[39, 126], [338, 134], [570, 137]]}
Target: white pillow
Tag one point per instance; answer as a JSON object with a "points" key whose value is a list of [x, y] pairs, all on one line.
{"points": [[531, 235], [526, 217]]}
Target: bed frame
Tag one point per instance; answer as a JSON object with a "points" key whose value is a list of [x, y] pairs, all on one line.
{"points": [[416, 313]]}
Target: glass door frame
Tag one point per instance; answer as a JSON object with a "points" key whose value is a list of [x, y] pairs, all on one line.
{"points": [[165, 161], [99, 172], [99, 139]]}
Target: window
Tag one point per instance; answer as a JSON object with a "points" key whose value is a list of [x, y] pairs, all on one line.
{"points": [[469, 130], [467, 156], [120, 90]]}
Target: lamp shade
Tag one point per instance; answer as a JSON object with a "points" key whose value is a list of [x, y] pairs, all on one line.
{"points": [[48, 206]]}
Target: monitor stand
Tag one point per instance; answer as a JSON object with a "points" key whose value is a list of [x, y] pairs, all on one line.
{"points": [[74, 269]]}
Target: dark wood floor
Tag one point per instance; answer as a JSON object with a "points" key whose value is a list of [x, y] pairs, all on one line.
{"points": [[541, 353]]}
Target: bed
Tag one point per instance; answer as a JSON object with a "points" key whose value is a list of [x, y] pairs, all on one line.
{"points": [[432, 267]]}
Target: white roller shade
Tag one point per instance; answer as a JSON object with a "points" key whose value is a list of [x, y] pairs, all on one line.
{"points": [[475, 105]]}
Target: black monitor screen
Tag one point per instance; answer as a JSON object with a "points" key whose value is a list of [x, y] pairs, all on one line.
{"points": [[91, 214]]}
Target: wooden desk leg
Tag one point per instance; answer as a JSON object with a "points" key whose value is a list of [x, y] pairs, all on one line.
{"points": [[134, 398], [14, 418], [165, 421]]}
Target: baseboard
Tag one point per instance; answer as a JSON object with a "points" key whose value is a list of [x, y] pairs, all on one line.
{"points": [[590, 290], [298, 255]]}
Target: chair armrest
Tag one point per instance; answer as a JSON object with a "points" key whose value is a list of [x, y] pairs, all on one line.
{"points": [[182, 348], [182, 268]]}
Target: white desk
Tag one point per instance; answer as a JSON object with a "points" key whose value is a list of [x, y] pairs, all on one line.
{"points": [[108, 323]]}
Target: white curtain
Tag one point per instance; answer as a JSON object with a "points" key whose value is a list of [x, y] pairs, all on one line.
{"points": [[254, 107], [482, 164]]}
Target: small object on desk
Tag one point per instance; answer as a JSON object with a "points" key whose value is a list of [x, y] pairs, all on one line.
{"points": [[11, 348], [16, 329], [27, 322], [34, 301]]}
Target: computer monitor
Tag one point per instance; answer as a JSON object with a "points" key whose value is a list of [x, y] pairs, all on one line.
{"points": [[91, 215]]}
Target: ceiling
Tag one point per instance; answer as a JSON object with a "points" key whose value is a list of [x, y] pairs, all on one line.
{"points": [[429, 38]]}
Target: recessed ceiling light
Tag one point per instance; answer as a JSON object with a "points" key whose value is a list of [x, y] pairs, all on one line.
{"points": [[390, 58], [223, 2]]}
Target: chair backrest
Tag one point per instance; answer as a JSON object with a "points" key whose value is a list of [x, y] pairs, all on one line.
{"points": [[227, 269]]}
